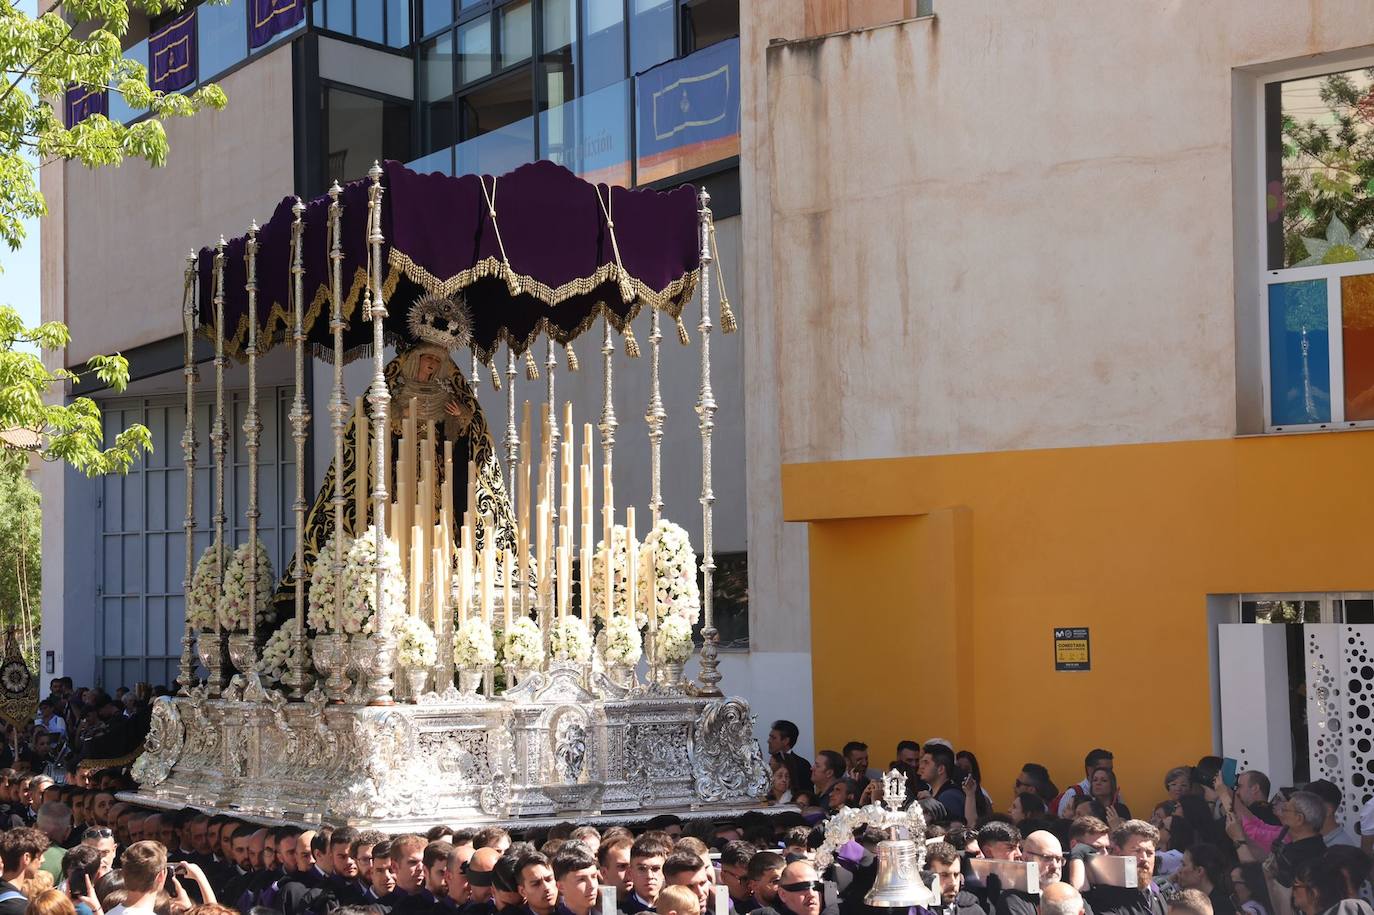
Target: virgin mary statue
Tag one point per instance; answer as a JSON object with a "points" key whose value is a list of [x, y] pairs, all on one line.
{"points": [[422, 379]]}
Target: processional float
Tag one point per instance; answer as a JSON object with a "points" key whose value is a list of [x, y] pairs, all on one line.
{"points": [[306, 698]]}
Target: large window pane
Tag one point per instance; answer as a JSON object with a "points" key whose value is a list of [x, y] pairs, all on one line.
{"points": [[1320, 168], [705, 22], [497, 126], [398, 23], [557, 59], [120, 111], [361, 130], [517, 36], [371, 22], [651, 33], [221, 36], [437, 130], [603, 59], [338, 16], [1357, 337], [1299, 353], [434, 15], [474, 49]]}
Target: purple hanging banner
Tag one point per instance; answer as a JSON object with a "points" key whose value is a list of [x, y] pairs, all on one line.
{"points": [[272, 17], [172, 54], [82, 102]]}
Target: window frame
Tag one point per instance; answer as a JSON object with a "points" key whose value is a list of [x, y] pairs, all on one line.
{"points": [[1331, 273]]}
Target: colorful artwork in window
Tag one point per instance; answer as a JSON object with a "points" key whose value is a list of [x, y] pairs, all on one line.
{"points": [[1357, 338], [1299, 353]]}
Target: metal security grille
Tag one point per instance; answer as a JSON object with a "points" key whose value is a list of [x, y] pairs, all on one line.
{"points": [[140, 564]]}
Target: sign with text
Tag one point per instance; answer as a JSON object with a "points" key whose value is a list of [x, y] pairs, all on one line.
{"points": [[1071, 649]]}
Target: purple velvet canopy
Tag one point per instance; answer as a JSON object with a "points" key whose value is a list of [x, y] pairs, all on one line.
{"points": [[550, 262]]}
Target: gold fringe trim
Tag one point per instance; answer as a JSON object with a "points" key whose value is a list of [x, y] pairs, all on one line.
{"points": [[631, 344], [573, 364], [531, 369], [682, 333]]}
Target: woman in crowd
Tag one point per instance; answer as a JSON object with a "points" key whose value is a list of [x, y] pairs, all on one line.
{"points": [[1251, 892]]}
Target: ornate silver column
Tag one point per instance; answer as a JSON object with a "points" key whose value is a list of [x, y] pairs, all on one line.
{"points": [[298, 677], [379, 397], [654, 417], [706, 410], [546, 614], [218, 440], [190, 314], [252, 431]]}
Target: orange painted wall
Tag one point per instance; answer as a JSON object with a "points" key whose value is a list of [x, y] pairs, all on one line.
{"points": [[936, 583]]}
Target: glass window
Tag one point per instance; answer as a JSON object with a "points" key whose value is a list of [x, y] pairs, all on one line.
{"points": [[371, 22], [436, 94], [1357, 341], [517, 36], [1299, 353], [603, 58], [120, 111], [434, 15], [706, 22], [221, 36], [651, 33], [398, 23], [338, 16], [362, 129], [474, 49], [496, 104], [558, 80], [1320, 169]]}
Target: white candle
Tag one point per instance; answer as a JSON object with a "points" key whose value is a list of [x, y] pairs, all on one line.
{"points": [[506, 595], [631, 552]]}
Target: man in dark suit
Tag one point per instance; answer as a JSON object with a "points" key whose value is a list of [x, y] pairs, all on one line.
{"points": [[781, 739]]}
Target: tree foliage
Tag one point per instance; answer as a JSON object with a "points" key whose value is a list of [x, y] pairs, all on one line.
{"points": [[72, 43], [1328, 163], [20, 533]]}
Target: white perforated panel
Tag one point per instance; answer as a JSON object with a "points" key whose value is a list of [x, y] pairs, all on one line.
{"points": [[1340, 710]]}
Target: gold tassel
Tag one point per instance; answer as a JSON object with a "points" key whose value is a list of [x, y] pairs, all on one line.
{"points": [[631, 344], [682, 333], [572, 358], [531, 370], [627, 288], [512, 281], [727, 317], [495, 376]]}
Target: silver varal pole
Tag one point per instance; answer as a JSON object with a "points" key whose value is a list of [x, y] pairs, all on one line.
{"points": [[190, 313], [379, 397], [654, 416], [252, 431], [338, 401], [546, 613], [298, 678], [218, 441], [706, 411], [513, 444]]}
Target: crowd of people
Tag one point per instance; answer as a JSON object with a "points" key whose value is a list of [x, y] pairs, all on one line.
{"points": [[1214, 844], [76, 725]]}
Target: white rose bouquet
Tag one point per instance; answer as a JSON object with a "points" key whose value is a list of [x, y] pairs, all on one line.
{"points": [[203, 599], [474, 645], [621, 582], [621, 642], [235, 603], [668, 573], [360, 583], [278, 655], [674, 640], [524, 645], [570, 640], [320, 611], [416, 647]]}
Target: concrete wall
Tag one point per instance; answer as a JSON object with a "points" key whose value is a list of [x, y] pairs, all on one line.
{"points": [[128, 230], [1007, 227]]}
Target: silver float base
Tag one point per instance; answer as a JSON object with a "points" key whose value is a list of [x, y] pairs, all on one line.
{"points": [[550, 750]]}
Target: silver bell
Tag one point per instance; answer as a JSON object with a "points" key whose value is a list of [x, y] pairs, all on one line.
{"points": [[898, 882]]}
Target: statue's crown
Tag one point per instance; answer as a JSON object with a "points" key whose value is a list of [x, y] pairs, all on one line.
{"points": [[442, 321]]}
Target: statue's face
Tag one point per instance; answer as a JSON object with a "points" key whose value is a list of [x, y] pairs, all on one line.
{"points": [[429, 364]]}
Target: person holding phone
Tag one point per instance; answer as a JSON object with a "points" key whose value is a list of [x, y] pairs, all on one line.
{"points": [[80, 870]]}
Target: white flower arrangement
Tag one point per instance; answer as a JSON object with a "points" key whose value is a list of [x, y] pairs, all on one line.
{"points": [[203, 599], [416, 647], [524, 645], [235, 602], [668, 572], [674, 640], [570, 640], [474, 645], [278, 655], [621, 645], [320, 611], [360, 584], [619, 566]]}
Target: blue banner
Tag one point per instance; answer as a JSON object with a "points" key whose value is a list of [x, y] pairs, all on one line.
{"points": [[272, 17], [688, 110], [172, 54], [81, 103]]}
